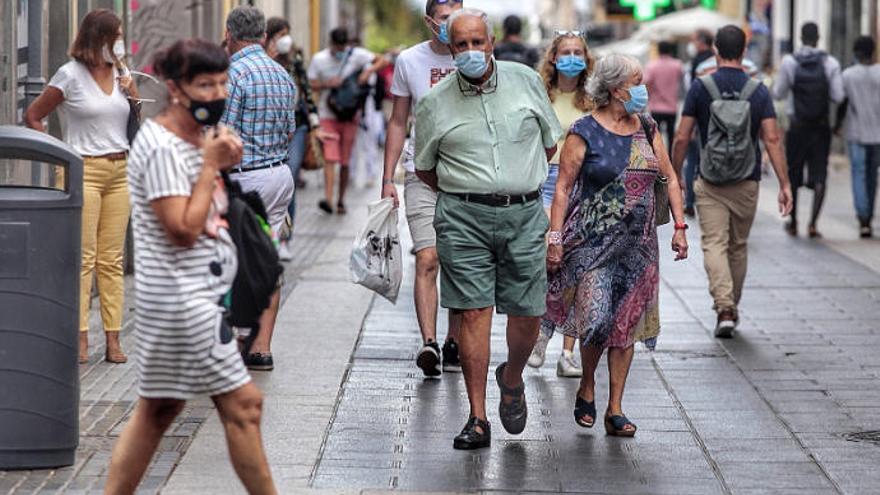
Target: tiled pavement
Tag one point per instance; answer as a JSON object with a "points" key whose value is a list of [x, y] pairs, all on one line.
{"points": [[771, 411]]}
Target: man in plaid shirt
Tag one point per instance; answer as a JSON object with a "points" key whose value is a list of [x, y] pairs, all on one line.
{"points": [[260, 107]]}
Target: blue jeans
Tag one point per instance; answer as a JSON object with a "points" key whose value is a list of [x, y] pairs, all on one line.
{"points": [[549, 187], [690, 171], [295, 156], [864, 161]]}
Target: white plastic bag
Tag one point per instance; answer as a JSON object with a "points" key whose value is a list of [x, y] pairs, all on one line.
{"points": [[375, 257]]}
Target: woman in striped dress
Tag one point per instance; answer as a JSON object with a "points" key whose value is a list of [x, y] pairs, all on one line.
{"points": [[185, 264]]}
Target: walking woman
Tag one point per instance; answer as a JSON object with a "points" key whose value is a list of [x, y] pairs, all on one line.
{"points": [[92, 98], [565, 69], [186, 262], [603, 255], [279, 46]]}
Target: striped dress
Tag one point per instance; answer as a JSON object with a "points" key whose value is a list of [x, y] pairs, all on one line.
{"points": [[184, 347]]}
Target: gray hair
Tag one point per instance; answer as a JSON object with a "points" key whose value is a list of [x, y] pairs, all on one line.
{"points": [[246, 24], [469, 12], [611, 72]]}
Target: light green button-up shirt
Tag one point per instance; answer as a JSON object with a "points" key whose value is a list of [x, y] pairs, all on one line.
{"points": [[491, 141]]}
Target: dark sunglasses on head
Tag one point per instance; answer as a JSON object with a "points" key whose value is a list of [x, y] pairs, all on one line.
{"points": [[435, 3], [560, 33]]}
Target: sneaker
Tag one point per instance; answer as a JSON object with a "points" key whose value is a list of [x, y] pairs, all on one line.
{"points": [[428, 360], [568, 365], [284, 253], [451, 361], [536, 359], [259, 361], [726, 324]]}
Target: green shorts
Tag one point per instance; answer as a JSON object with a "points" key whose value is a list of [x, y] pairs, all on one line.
{"points": [[492, 256]]}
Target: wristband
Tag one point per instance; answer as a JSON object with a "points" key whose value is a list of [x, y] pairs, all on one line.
{"points": [[555, 238], [387, 181], [681, 226]]}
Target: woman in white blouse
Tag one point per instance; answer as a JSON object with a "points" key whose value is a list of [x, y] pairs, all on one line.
{"points": [[92, 94]]}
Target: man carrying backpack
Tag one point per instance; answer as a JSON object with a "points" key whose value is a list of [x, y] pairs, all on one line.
{"points": [[809, 80], [733, 112], [340, 74]]}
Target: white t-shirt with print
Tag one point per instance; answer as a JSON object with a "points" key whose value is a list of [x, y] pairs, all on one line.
{"points": [[325, 66], [92, 122], [418, 69]]}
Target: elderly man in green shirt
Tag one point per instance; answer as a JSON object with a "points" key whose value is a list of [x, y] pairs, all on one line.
{"points": [[483, 138]]}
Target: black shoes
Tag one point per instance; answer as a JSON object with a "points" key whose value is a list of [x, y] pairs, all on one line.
{"points": [[428, 360], [471, 437], [324, 205], [258, 361], [451, 361], [514, 413]]}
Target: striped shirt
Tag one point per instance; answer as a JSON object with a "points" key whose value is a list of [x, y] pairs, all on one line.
{"points": [[261, 106], [181, 352]]}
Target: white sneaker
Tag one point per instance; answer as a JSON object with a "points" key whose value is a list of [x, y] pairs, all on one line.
{"points": [[284, 253], [536, 359], [568, 365]]}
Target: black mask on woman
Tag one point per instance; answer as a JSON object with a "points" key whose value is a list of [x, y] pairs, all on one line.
{"points": [[206, 112]]}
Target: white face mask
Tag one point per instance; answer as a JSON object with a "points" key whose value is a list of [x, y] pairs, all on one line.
{"points": [[691, 50], [284, 44], [118, 53]]}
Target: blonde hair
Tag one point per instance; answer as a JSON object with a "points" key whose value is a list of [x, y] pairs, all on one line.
{"points": [[551, 76]]}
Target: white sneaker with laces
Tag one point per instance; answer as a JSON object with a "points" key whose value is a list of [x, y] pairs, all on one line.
{"points": [[284, 253], [568, 365], [536, 359]]}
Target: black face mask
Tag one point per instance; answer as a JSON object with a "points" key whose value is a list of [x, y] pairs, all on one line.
{"points": [[206, 112]]}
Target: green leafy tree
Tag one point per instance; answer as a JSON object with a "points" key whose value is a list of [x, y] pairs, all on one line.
{"points": [[391, 23]]}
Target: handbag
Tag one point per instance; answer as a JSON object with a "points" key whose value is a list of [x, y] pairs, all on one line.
{"points": [[134, 110], [661, 183], [314, 156]]}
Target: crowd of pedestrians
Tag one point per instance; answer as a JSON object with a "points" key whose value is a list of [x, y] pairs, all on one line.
{"points": [[534, 187]]}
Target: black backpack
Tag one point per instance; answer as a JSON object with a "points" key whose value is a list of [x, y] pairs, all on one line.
{"points": [[259, 268], [811, 89], [348, 98]]}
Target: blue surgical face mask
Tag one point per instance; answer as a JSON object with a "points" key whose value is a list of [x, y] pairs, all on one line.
{"points": [[638, 99], [472, 63], [442, 32], [571, 65], [339, 55]]}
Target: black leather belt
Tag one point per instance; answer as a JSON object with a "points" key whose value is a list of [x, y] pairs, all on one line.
{"points": [[498, 199], [240, 170]]}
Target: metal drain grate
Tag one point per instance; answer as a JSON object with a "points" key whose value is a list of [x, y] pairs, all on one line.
{"points": [[864, 436]]}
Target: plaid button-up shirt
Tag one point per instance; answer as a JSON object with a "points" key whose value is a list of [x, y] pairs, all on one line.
{"points": [[261, 106]]}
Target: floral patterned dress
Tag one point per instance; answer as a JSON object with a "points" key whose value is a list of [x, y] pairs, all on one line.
{"points": [[606, 291]]}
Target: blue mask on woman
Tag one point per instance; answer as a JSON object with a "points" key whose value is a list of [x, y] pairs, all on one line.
{"points": [[638, 99], [443, 35], [472, 63], [571, 66]]}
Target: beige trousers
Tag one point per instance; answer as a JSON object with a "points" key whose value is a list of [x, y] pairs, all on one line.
{"points": [[726, 215], [104, 221]]}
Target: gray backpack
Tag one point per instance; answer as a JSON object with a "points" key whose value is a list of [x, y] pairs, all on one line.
{"points": [[729, 153]]}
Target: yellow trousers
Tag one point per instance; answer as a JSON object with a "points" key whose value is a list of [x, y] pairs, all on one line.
{"points": [[104, 221]]}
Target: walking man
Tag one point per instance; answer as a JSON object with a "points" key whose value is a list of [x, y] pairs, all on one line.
{"points": [[260, 108], [512, 48], [727, 187], [416, 71], [330, 70], [809, 80], [861, 83], [483, 138], [699, 50]]}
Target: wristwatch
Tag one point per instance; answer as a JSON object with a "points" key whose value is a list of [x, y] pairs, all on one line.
{"points": [[554, 238]]}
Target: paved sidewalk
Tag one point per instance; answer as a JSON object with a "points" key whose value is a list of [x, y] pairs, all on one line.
{"points": [[792, 405]]}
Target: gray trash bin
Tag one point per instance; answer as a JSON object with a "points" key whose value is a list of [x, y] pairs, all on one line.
{"points": [[39, 301]]}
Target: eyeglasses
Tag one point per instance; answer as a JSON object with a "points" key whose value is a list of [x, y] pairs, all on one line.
{"points": [[560, 33]]}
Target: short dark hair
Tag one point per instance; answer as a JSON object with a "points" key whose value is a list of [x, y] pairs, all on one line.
{"points": [[705, 36], [339, 36], [666, 48], [99, 29], [274, 26], [810, 33], [864, 48], [730, 41], [512, 25], [188, 58]]}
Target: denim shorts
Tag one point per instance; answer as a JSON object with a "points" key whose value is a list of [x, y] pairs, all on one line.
{"points": [[549, 187]]}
